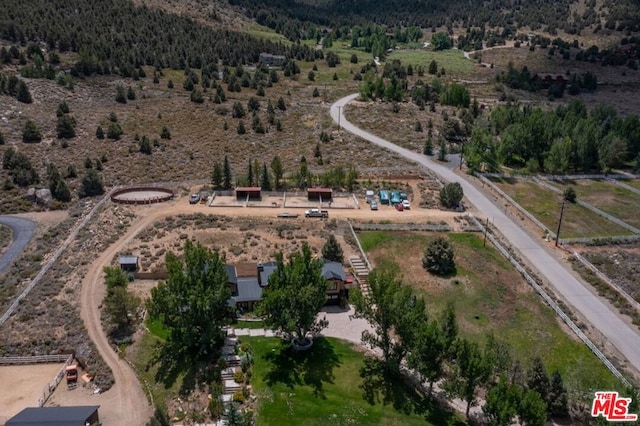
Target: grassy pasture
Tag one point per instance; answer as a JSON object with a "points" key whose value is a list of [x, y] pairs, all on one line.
{"points": [[607, 196], [545, 205], [489, 297]]}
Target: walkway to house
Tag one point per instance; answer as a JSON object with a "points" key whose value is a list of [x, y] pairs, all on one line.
{"points": [[341, 326]]}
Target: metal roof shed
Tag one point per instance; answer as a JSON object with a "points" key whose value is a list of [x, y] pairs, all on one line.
{"points": [[322, 194], [128, 263], [56, 416], [249, 193]]}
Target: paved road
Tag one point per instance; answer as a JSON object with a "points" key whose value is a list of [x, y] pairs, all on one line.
{"points": [[23, 231], [619, 333]]}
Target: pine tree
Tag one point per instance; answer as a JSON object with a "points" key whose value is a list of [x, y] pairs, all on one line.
{"points": [[121, 96], [31, 132], [428, 146], [91, 184], [332, 250], [217, 176], [23, 94], [265, 181], [278, 171], [250, 173], [442, 151], [281, 105], [228, 178], [557, 399], [538, 379]]}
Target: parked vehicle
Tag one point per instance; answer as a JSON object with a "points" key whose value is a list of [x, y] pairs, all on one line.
{"points": [[406, 205], [316, 213], [395, 198], [288, 215], [369, 196], [399, 207], [374, 205], [194, 198], [383, 195]]}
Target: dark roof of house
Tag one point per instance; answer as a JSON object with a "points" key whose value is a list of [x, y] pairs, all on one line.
{"points": [[333, 270], [128, 260], [248, 290], [53, 416], [267, 269], [231, 273]]}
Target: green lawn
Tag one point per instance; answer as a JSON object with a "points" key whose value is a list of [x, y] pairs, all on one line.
{"points": [[265, 33], [332, 384], [489, 297], [609, 197], [248, 324], [545, 206], [451, 60]]}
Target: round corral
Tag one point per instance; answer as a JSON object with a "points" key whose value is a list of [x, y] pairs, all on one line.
{"points": [[142, 195]]}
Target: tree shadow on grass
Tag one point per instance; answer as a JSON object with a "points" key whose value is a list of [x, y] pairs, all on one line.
{"points": [[382, 386], [311, 368], [175, 364]]}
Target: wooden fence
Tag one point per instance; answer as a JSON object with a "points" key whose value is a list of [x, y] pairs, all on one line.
{"points": [[42, 359]]}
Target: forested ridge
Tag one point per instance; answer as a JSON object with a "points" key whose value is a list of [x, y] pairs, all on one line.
{"points": [[294, 18], [116, 35]]}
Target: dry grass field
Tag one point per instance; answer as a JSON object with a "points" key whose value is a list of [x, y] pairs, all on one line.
{"points": [[545, 206], [620, 263]]}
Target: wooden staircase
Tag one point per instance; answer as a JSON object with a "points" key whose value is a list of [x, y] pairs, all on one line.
{"points": [[361, 272]]}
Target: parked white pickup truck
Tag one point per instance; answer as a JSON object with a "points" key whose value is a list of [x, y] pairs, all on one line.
{"points": [[316, 213]]}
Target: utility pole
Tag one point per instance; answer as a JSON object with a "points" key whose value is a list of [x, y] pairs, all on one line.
{"points": [[339, 115], [560, 222], [461, 153], [486, 228]]}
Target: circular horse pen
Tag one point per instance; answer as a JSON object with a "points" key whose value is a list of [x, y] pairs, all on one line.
{"points": [[142, 195]]}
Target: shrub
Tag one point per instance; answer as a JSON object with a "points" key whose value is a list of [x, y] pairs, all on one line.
{"points": [[450, 195], [165, 134], [31, 133], [238, 377], [570, 195], [114, 131], [238, 397], [439, 257]]}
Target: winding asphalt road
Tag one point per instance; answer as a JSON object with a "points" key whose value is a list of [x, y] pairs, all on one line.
{"points": [[619, 334], [23, 231]]}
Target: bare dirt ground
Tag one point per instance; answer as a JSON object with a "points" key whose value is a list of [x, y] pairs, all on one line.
{"points": [[22, 385]]}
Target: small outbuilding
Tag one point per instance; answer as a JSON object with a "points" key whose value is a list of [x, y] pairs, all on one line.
{"points": [[320, 194], [128, 263], [56, 416], [244, 193]]}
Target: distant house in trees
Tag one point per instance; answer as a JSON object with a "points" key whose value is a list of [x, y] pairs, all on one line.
{"points": [[272, 60], [545, 80]]}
